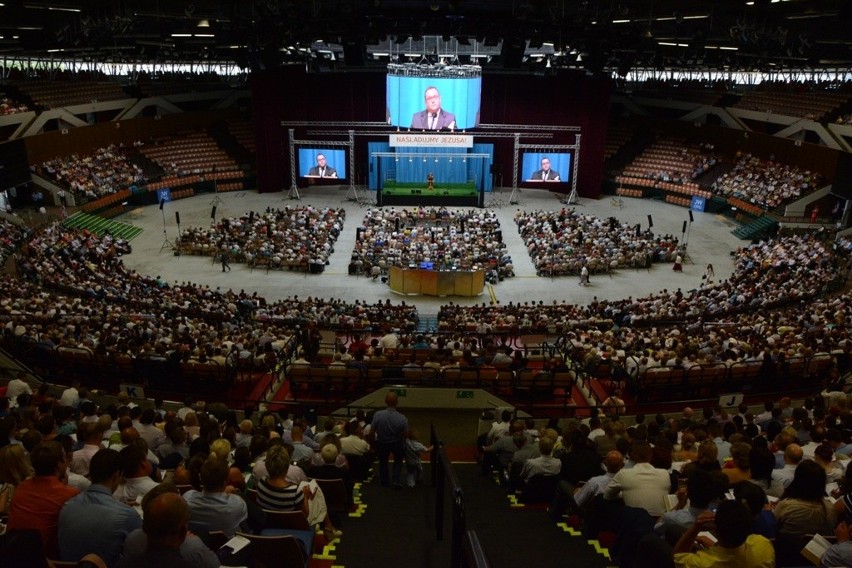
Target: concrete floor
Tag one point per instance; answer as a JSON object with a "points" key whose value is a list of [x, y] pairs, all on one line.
{"points": [[709, 241]]}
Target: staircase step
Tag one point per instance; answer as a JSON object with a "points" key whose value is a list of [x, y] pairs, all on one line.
{"points": [[427, 323], [100, 225]]}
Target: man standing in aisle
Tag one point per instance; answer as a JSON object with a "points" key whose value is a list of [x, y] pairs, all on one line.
{"points": [[389, 427]]}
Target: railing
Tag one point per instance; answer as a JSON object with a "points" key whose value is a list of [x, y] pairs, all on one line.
{"points": [[466, 549]]}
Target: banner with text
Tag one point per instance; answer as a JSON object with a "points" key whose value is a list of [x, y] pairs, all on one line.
{"points": [[429, 139]]}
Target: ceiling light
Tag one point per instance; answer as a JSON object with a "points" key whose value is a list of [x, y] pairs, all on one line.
{"points": [[52, 8], [205, 23]]}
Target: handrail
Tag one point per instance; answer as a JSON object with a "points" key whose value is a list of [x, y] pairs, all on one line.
{"points": [[466, 549]]}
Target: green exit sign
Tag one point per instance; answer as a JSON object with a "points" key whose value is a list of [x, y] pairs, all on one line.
{"points": [[464, 394], [400, 392]]}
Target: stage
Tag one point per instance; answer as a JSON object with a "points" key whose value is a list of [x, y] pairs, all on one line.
{"points": [[418, 193]]}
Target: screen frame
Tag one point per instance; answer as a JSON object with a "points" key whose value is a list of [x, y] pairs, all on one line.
{"points": [[560, 161], [306, 159], [405, 97]]}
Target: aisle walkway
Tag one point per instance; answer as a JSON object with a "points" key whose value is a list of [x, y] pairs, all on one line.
{"points": [[397, 529]]}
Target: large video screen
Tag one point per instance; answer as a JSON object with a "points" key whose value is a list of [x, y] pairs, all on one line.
{"points": [[322, 163], [544, 167], [428, 103]]}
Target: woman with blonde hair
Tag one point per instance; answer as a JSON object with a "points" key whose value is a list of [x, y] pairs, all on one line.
{"points": [[14, 468], [221, 447]]}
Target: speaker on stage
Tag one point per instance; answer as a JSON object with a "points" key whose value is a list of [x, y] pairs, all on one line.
{"points": [[251, 216], [161, 204], [690, 215], [213, 213], [352, 269], [650, 222], [177, 217], [683, 229], [638, 229]]}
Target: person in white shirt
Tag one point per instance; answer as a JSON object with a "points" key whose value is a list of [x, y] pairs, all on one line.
{"points": [[71, 396], [136, 480], [390, 340], [643, 486], [500, 427], [17, 386]]}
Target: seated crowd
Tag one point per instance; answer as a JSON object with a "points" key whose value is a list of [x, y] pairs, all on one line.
{"points": [[77, 293], [81, 479], [766, 183], [104, 171], [10, 106], [11, 238], [292, 237], [562, 242], [450, 239], [777, 477], [767, 276]]}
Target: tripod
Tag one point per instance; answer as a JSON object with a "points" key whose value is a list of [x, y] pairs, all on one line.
{"points": [[216, 199], [167, 244]]}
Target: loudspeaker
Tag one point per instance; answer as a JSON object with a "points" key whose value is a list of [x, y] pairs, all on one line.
{"points": [[690, 215], [161, 204], [354, 53], [213, 213], [683, 230], [638, 229], [650, 221], [177, 217], [251, 216], [512, 53]]}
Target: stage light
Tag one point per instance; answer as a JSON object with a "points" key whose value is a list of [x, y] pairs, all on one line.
{"points": [[428, 70], [436, 160]]}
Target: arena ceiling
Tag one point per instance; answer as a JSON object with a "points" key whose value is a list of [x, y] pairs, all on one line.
{"points": [[502, 34]]}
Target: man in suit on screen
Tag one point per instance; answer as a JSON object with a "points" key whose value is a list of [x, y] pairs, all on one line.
{"points": [[322, 169], [545, 173], [433, 117]]}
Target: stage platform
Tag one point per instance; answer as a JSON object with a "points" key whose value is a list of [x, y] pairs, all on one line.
{"points": [[436, 282], [417, 193]]}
